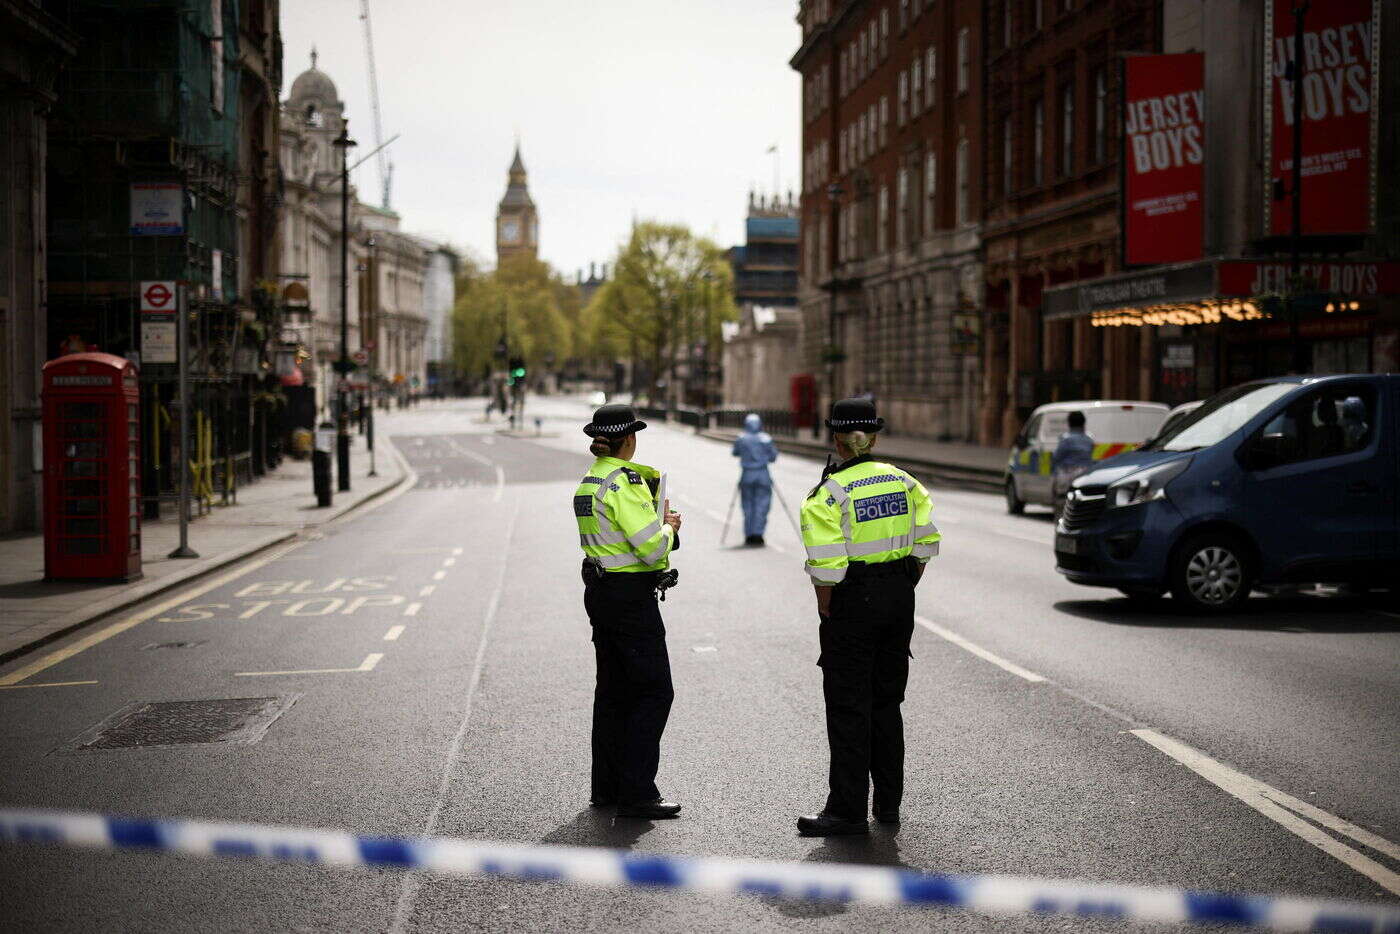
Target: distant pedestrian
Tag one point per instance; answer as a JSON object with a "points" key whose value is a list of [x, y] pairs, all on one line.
{"points": [[868, 530], [1074, 455], [627, 537], [755, 451]]}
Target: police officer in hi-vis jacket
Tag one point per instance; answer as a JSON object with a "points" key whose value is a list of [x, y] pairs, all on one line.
{"points": [[868, 530], [626, 545]]}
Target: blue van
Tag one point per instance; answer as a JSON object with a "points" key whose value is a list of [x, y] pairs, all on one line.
{"points": [[1279, 482]]}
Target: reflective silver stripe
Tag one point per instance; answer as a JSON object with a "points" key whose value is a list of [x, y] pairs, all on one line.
{"points": [[837, 491], [827, 575], [925, 551], [617, 561], [640, 538], [660, 552], [923, 530], [860, 549], [817, 552], [599, 509], [601, 538]]}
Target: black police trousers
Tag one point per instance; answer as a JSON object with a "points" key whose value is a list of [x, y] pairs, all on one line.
{"points": [[865, 667], [633, 696]]}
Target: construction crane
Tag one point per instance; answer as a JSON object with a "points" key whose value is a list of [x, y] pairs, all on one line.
{"points": [[386, 168]]}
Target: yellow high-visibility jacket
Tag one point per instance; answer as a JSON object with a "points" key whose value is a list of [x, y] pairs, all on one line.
{"points": [[617, 520], [866, 511]]}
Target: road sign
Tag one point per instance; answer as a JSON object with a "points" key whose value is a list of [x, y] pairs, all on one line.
{"points": [[158, 298], [360, 356]]}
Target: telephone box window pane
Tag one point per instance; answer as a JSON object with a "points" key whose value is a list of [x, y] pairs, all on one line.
{"points": [[81, 546], [130, 412], [82, 507], [83, 410], [135, 543], [86, 449], [131, 451], [135, 525], [82, 526], [134, 505], [82, 488], [84, 430], [131, 486], [81, 469]]}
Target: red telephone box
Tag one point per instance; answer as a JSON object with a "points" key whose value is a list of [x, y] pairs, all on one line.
{"points": [[92, 468]]}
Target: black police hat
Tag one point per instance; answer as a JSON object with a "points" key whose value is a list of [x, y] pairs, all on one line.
{"points": [[854, 415], [613, 421]]}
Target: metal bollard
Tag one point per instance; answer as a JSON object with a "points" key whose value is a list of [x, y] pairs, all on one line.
{"points": [[321, 463]]}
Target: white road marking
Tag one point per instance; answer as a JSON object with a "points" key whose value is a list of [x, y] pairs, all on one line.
{"points": [[46, 684], [500, 484], [1276, 805], [393, 633], [456, 551], [703, 648], [977, 650], [412, 609], [367, 665], [427, 589], [439, 575], [408, 888], [487, 439], [448, 562], [479, 458]]}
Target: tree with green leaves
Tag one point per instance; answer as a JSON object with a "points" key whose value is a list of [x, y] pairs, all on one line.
{"points": [[523, 303], [669, 293]]}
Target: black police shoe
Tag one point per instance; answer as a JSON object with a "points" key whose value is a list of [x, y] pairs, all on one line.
{"points": [[887, 817], [601, 801], [825, 825], [660, 809]]}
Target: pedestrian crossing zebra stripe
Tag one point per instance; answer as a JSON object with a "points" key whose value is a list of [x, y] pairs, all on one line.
{"points": [[857, 885]]}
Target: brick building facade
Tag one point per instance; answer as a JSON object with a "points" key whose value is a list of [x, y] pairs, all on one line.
{"points": [[892, 141]]}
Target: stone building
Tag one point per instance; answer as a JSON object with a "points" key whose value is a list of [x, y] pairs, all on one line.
{"points": [[439, 295], [762, 351], [1051, 183], [892, 145], [33, 47], [517, 221], [386, 317]]}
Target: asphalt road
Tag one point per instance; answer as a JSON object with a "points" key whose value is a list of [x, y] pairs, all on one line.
{"points": [[431, 663]]}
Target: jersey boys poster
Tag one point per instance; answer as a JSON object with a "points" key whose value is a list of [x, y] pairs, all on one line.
{"points": [[1164, 157], [1339, 102]]}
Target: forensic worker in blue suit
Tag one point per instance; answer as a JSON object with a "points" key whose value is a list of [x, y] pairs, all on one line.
{"points": [[755, 451]]}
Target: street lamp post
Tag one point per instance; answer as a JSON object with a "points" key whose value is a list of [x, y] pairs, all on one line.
{"points": [[342, 438]]}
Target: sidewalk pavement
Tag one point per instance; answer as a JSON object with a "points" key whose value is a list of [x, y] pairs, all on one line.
{"points": [[272, 510], [947, 463]]}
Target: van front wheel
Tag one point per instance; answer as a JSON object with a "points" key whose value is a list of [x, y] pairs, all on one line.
{"points": [[1014, 504], [1211, 573]]}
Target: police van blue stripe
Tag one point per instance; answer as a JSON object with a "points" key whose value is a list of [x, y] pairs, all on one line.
{"points": [[864, 885]]}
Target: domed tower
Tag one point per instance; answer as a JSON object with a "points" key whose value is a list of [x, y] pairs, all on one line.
{"points": [[316, 106], [517, 223]]}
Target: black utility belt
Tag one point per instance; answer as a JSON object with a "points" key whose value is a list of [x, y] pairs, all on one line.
{"points": [[861, 570]]}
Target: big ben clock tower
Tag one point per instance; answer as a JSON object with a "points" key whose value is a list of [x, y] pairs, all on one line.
{"points": [[517, 224]]}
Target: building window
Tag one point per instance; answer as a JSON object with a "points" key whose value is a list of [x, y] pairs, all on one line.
{"points": [[1038, 143], [903, 15], [1006, 24], [964, 60], [930, 192], [884, 32], [964, 183], [882, 221], [903, 97], [884, 121], [916, 85], [931, 75], [901, 237], [1008, 139], [1067, 129], [841, 161], [1100, 114]]}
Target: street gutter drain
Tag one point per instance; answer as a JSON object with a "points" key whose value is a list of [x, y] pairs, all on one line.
{"points": [[240, 720]]}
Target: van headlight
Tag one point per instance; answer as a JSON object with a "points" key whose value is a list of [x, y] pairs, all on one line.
{"points": [[1147, 484]]}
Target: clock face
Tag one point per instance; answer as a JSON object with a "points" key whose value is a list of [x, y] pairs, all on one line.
{"points": [[510, 231]]}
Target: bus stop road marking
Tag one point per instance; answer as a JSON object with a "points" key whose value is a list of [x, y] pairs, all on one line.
{"points": [[367, 665]]}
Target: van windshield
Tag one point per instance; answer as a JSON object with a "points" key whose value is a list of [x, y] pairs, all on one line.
{"points": [[1221, 416], [1126, 424]]}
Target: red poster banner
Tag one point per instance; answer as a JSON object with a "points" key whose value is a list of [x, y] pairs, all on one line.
{"points": [[1164, 153], [1340, 46]]}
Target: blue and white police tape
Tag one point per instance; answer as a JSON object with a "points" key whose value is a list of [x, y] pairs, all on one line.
{"points": [[860, 885]]}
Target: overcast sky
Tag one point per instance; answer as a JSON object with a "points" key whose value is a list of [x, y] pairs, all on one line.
{"points": [[658, 108]]}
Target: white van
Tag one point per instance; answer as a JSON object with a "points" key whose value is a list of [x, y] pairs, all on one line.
{"points": [[1115, 426]]}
